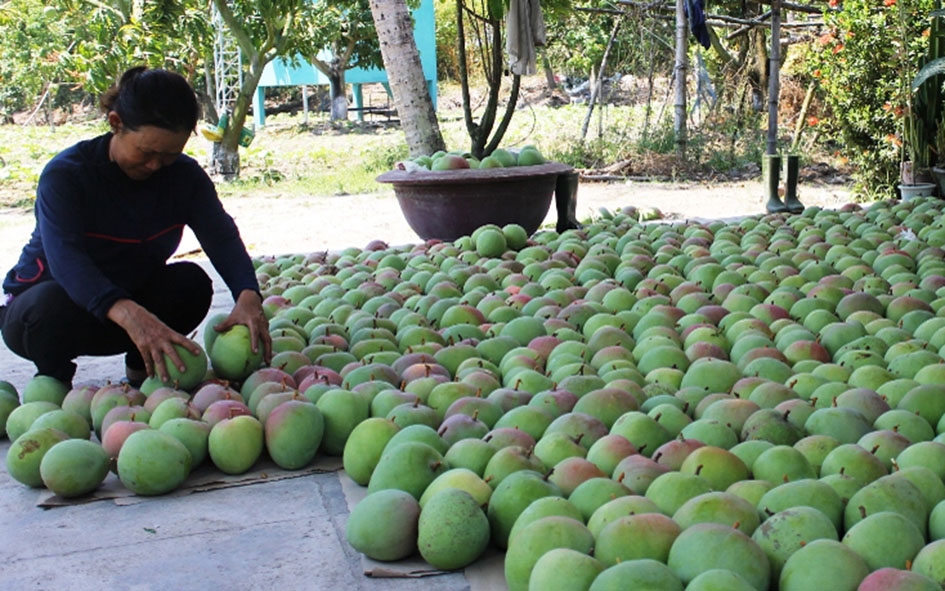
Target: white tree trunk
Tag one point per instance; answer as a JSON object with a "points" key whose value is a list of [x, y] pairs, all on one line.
{"points": [[339, 99], [405, 75], [225, 162]]}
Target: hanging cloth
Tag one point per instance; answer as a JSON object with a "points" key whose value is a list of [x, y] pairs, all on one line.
{"points": [[525, 30], [695, 12]]}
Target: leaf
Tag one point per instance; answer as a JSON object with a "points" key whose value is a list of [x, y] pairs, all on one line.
{"points": [[929, 70], [496, 9]]}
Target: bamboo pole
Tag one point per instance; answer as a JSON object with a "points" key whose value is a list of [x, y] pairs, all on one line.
{"points": [[774, 75], [596, 88], [802, 116], [682, 65]]}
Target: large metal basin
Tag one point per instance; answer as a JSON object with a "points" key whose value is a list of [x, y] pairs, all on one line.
{"points": [[448, 204]]}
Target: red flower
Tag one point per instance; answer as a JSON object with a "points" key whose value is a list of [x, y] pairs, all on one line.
{"points": [[812, 121], [888, 3]]}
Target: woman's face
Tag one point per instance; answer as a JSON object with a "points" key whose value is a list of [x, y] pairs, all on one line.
{"points": [[142, 152]]}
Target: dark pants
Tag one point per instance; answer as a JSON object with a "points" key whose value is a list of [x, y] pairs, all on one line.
{"points": [[44, 325]]}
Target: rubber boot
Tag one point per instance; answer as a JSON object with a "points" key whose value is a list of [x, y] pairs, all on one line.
{"points": [[566, 188], [771, 171], [791, 169]]}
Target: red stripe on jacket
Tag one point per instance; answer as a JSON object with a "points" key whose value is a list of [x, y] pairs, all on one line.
{"points": [[134, 240]]}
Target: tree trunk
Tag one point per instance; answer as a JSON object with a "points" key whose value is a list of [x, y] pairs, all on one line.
{"points": [[225, 162], [339, 99], [759, 74], [648, 110], [506, 116], [550, 83], [682, 65], [405, 75], [482, 145], [205, 98], [225, 159], [484, 136], [598, 80]]}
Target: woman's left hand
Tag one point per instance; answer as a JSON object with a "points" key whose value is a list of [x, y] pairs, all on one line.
{"points": [[248, 312]]}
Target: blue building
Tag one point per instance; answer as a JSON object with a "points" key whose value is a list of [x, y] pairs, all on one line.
{"points": [[281, 73]]}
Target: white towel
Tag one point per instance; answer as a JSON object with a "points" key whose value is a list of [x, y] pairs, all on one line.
{"points": [[525, 31]]}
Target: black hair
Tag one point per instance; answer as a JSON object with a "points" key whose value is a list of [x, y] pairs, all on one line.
{"points": [[155, 97]]}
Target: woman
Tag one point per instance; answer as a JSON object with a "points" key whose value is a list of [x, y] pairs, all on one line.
{"points": [[110, 211]]}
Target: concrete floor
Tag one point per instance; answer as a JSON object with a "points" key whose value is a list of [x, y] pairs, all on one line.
{"points": [[286, 535]]}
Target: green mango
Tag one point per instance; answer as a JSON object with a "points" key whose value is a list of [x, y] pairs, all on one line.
{"points": [[453, 530], [383, 525]]}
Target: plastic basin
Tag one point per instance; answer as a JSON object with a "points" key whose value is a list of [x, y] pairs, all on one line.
{"points": [[448, 204]]}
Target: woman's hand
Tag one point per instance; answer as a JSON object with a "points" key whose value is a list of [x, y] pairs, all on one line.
{"points": [[153, 338], [248, 312]]}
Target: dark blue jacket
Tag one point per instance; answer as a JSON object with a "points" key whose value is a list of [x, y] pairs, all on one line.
{"points": [[100, 234]]}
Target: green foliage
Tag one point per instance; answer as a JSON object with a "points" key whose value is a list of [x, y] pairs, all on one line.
{"points": [[381, 158], [577, 40], [346, 28], [591, 153], [290, 158], [32, 56], [108, 36], [104, 38], [729, 139], [116, 34], [925, 108], [935, 64], [447, 53], [25, 150], [662, 140], [866, 98]]}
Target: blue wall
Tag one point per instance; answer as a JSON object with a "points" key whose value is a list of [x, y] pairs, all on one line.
{"points": [[281, 73]]}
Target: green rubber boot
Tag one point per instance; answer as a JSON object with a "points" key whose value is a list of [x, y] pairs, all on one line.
{"points": [[771, 171], [791, 169]]}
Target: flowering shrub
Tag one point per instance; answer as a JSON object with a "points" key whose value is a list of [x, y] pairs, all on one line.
{"points": [[863, 65]]}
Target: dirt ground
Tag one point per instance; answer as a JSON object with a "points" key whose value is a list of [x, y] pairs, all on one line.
{"points": [[302, 225], [297, 225], [331, 223]]}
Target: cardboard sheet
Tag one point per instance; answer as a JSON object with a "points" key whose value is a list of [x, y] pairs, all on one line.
{"points": [[204, 478]]}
